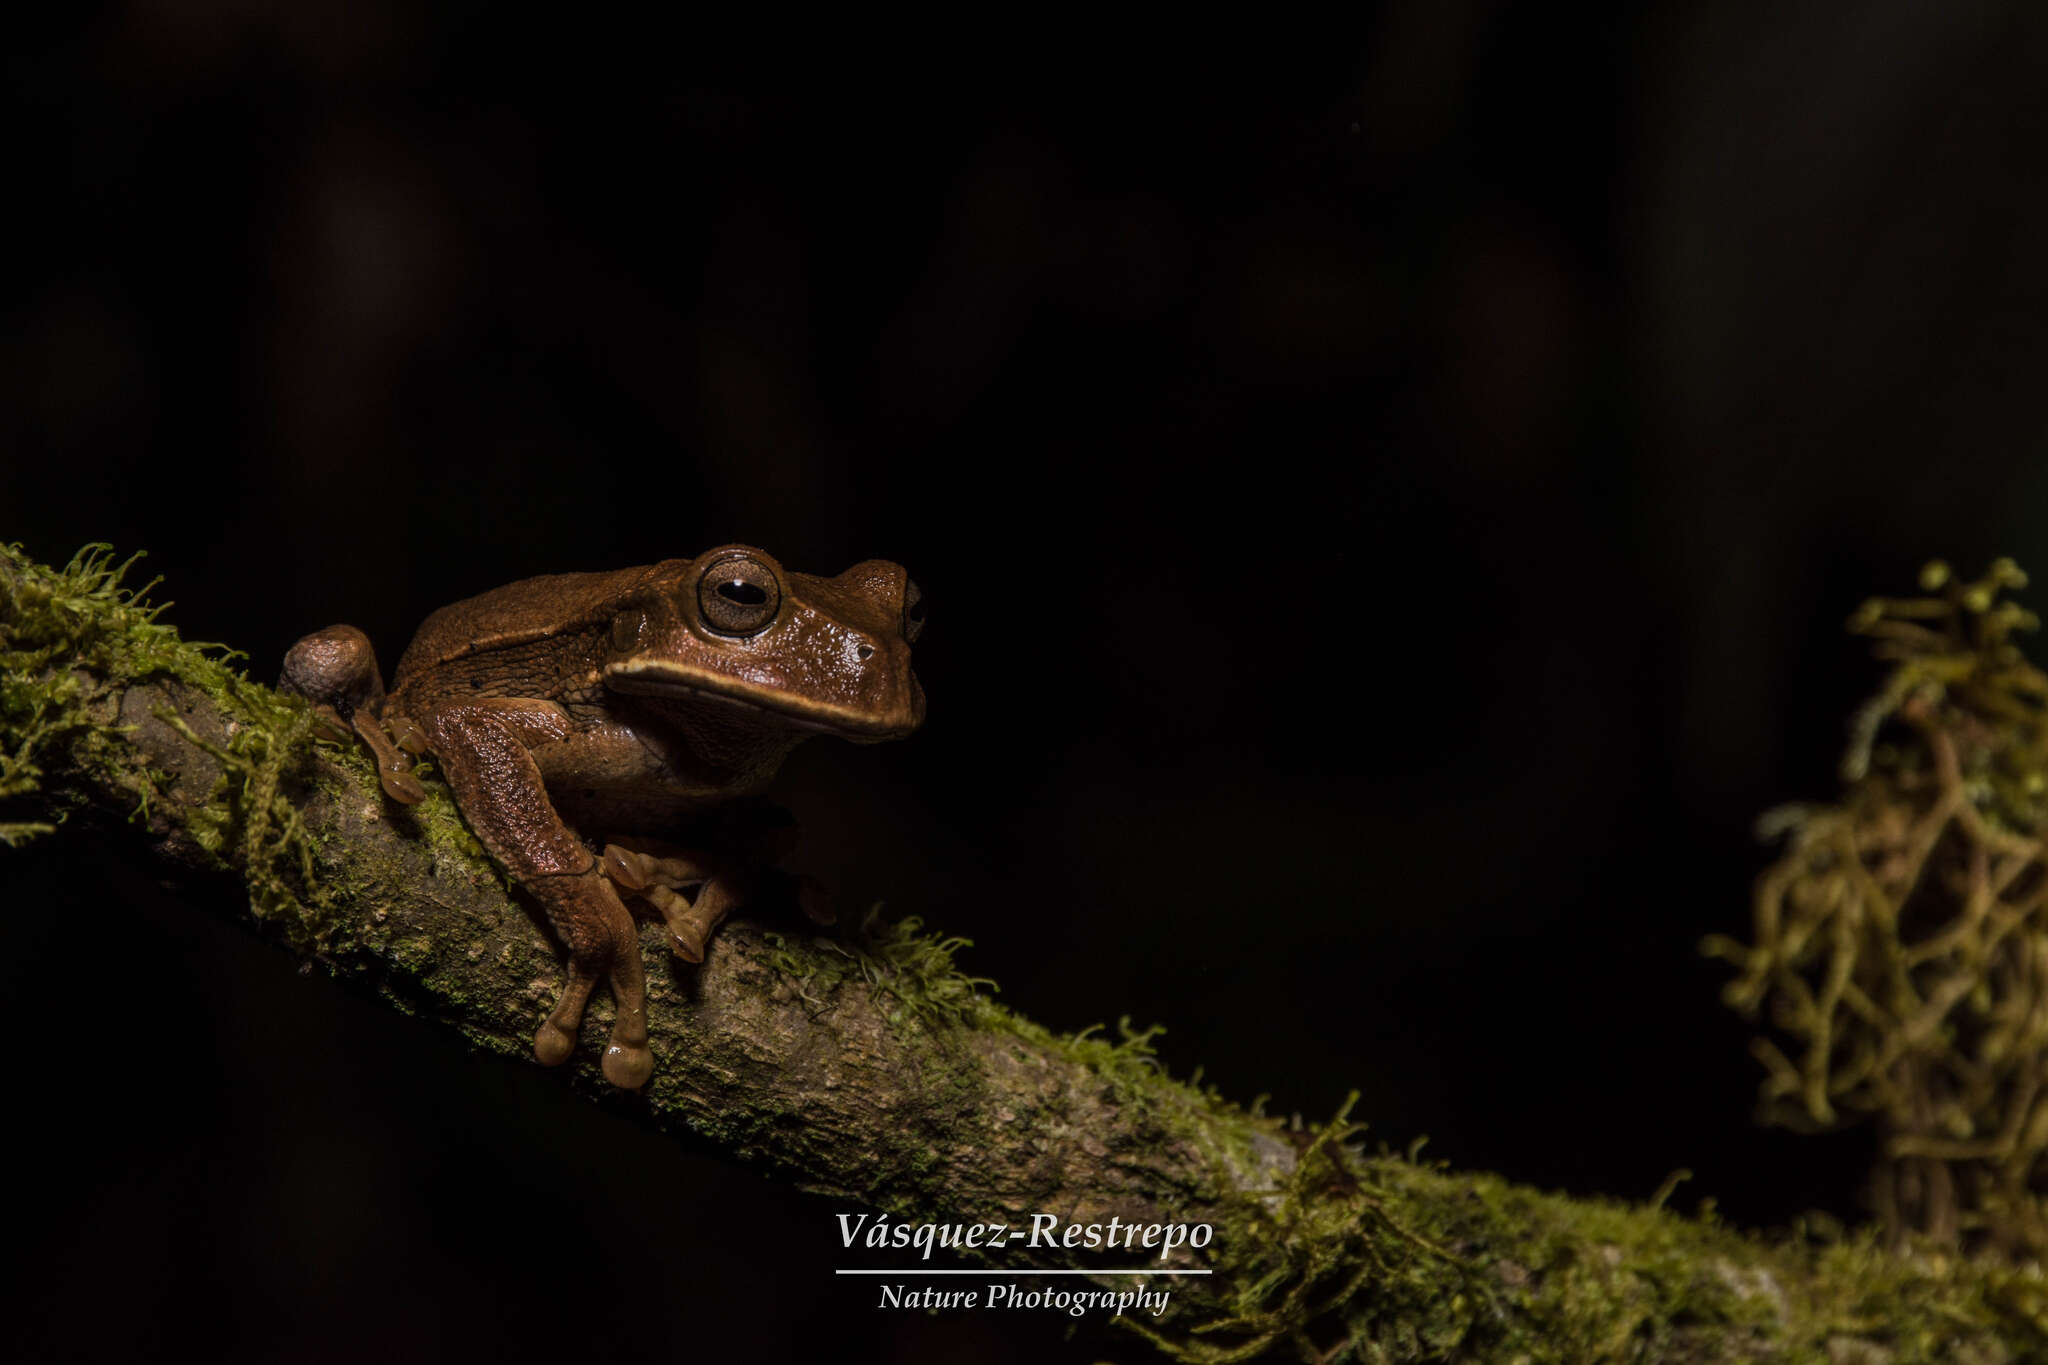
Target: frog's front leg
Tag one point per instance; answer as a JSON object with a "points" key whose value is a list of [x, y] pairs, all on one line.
{"points": [[484, 750]]}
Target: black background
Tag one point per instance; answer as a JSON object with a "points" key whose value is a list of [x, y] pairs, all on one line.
{"points": [[1387, 494]]}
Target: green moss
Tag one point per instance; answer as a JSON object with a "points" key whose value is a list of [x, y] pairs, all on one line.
{"points": [[916, 970], [439, 822], [64, 635], [413, 954], [1300, 1253], [1386, 1260]]}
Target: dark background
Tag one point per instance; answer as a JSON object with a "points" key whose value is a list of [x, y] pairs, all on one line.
{"points": [[1388, 494]]}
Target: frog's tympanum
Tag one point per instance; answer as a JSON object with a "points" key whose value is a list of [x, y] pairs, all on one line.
{"points": [[591, 705]]}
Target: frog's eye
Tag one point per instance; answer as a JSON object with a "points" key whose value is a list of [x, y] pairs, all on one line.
{"points": [[738, 595], [913, 610]]}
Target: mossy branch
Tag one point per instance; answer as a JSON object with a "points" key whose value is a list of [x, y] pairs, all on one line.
{"points": [[867, 1066]]}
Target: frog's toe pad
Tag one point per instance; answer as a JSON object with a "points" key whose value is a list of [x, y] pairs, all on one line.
{"points": [[686, 943], [628, 1065], [551, 1046], [401, 786], [627, 868]]}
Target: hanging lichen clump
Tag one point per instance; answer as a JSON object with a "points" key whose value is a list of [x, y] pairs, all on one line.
{"points": [[1901, 940]]}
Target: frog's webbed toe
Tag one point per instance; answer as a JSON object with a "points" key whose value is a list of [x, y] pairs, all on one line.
{"points": [[627, 1061], [658, 879], [555, 1039], [394, 766], [599, 934], [407, 735], [637, 866], [692, 922]]}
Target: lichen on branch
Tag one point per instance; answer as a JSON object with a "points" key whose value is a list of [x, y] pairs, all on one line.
{"points": [[1901, 940], [867, 1065]]}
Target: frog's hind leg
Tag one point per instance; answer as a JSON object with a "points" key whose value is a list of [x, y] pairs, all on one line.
{"points": [[751, 843], [657, 878], [336, 670], [483, 750]]}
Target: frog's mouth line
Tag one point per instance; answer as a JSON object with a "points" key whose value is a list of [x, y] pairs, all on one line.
{"points": [[667, 681]]}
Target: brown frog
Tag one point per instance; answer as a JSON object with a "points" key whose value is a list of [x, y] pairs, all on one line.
{"points": [[620, 703]]}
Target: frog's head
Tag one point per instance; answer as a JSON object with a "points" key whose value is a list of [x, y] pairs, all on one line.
{"points": [[733, 626]]}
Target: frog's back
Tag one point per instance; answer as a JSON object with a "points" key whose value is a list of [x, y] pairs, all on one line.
{"points": [[519, 614]]}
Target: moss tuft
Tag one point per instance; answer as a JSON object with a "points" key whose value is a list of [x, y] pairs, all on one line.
{"points": [[897, 960]]}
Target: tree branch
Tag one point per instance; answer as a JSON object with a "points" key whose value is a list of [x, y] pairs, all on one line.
{"points": [[866, 1066]]}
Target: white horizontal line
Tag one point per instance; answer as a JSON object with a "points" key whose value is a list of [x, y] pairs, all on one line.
{"points": [[920, 1271]]}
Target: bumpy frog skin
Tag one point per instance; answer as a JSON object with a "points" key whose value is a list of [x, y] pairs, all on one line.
{"points": [[615, 704]]}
